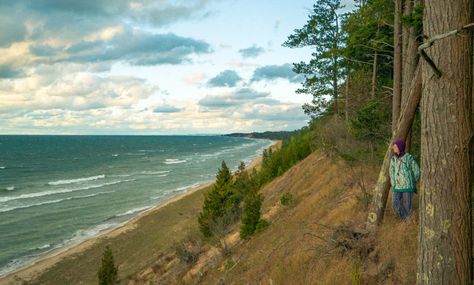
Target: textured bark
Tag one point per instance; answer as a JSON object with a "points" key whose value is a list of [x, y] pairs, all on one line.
{"points": [[347, 96], [445, 245], [406, 10], [334, 86], [397, 64], [410, 53], [410, 57], [382, 187], [374, 76]]}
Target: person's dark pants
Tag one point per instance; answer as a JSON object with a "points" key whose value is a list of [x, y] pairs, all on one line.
{"points": [[401, 202]]}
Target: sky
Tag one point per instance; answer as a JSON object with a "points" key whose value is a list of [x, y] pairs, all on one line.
{"points": [[148, 67]]}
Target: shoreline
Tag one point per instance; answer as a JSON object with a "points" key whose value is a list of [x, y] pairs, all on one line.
{"points": [[36, 267]]}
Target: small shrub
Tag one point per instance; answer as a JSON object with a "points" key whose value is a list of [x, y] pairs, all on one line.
{"points": [[287, 199], [107, 273], [261, 225], [230, 263], [187, 251]]}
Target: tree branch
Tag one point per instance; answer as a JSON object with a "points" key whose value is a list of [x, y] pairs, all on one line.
{"points": [[435, 38]]}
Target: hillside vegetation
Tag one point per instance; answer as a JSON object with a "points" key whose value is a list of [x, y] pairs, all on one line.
{"points": [[317, 237]]}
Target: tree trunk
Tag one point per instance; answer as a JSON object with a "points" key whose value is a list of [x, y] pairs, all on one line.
{"points": [[445, 245], [407, 7], [397, 65], [347, 96], [374, 76], [334, 86], [380, 193], [410, 58]]}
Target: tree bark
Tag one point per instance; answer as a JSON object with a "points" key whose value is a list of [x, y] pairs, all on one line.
{"points": [[445, 229], [347, 95], [381, 190], [334, 86], [397, 64], [374, 76], [410, 58]]}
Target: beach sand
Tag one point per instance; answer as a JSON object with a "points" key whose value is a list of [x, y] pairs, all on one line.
{"points": [[135, 244]]}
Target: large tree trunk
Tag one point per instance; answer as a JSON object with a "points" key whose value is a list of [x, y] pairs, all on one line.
{"points": [[380, 193], [445, 245], [397, 65]]}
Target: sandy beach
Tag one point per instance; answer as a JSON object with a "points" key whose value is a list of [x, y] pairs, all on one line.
{"points": [[154, 230]]}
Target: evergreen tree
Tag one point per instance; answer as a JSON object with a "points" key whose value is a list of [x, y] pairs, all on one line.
{"points": [[217, 202], [323, 72], [107, 273], [251, 214]]}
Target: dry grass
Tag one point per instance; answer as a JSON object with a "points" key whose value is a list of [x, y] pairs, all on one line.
{"points": [[287, 252]]}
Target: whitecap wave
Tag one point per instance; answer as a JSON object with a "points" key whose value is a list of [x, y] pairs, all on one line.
{"points": [[59, 191], [10, 188], [45, 246], [52, 201], [192, 186], [133, 211], [115, 154], [156, 172], [77, 180], [174, 161], [2, 167]]}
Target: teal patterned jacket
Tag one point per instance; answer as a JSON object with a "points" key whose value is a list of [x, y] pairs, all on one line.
{"points": [[404, 173]]}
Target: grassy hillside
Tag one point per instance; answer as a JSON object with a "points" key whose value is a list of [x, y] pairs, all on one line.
{"points": [[316, 238]]}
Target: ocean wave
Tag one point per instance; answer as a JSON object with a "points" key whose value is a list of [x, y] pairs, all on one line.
{"points": [[81, 235], [10, 188], [77, 180], [115, 154], [156, 172], [174, 161], [45, 246], [78, 236], [2, 167], [133, 211], [192, 186], [52, 201], [59, 191]]}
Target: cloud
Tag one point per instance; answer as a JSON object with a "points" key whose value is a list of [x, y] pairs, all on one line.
{"points": [[134, 47], [9, 72], [248, 94], [215, 101], [75, 91], [167, 109], [227, 78], [236, 98], [273, 72], [13, 30], [252, 51], [107, 30]]}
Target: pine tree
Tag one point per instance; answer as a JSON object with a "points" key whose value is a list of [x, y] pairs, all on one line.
{"points": [[251, 214], [107, 273], [217, 202], [322, 73]]}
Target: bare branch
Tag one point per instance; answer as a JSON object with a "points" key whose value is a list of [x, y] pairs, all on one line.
{"points": [[432, 40]]}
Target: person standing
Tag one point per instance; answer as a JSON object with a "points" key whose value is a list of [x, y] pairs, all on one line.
{"points": [[404, 173]]}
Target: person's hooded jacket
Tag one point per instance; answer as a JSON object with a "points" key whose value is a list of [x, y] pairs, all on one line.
{"points": [[404, 171]]}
